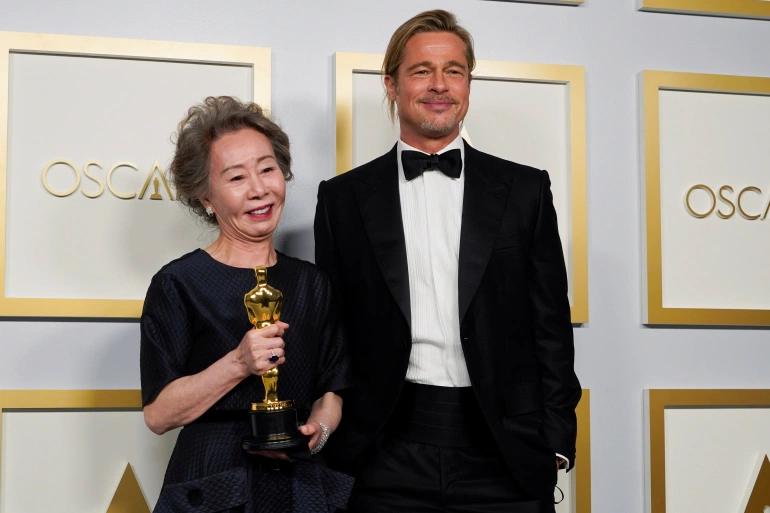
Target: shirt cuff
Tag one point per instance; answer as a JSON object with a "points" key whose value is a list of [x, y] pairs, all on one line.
{"points": [[565, 461]]}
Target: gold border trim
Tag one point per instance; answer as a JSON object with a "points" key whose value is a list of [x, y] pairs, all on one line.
{"points": [[757, 9], [549, 2], [128, 400], [582, 498], [346, 64], [651, 83], [656, 402], [258, 59]]}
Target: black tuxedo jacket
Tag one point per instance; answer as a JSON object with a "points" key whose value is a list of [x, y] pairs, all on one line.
{"points": [[514, 313]]}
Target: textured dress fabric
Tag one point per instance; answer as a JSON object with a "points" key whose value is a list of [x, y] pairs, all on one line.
{"points": [[194, 315]]}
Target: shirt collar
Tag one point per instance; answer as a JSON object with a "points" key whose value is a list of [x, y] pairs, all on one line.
{"points": [[457, 143]]}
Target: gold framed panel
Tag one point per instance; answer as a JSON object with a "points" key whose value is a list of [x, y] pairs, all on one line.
{"points": [[652, 82], [347, 64], [758, 9], [656, 403], [121, 400], [258, 59]]}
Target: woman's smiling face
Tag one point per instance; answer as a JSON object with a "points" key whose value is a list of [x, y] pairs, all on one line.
{"points": [[247, 189]]}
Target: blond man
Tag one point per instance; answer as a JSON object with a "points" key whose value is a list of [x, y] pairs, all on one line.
{"points": [[449, 270]]}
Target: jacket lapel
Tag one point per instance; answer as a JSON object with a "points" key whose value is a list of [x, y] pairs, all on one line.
{"points": [[484, 197], [380, 206]]}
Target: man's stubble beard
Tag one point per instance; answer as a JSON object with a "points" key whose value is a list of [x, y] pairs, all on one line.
{"points": [[439, 128]]}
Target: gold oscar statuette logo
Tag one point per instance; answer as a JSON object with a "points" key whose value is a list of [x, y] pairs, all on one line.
{"points": [[128, 496], [757, 498], [94, 180], [730, 202]]}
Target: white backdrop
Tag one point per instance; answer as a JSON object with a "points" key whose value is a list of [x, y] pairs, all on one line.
{"points": [[616, 357]]}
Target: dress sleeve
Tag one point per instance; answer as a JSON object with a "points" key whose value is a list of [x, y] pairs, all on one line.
{"points": [[166, 329], [334, 372]]}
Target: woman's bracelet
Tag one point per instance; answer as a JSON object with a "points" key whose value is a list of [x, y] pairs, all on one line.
{"points": [[324, 438]]}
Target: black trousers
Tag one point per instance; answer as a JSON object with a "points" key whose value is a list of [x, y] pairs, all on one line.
{"points": [[405, 476], [419, 464]]}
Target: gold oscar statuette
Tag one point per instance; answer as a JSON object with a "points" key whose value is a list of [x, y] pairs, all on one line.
{"points": [[156, 195], [274, 423]]}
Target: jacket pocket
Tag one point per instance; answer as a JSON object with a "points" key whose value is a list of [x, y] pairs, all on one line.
{"points": [[210, 494], [524, 414]]}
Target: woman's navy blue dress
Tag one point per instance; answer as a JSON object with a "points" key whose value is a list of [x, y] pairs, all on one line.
{"points": [[193, 315]]}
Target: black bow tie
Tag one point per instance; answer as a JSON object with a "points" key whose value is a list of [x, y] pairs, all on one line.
{"points": [[415, 163]]}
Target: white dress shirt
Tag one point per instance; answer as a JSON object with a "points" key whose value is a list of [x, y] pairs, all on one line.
{"points": [[431, 210]]}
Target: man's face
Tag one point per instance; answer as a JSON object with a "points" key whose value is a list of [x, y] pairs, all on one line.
{"points": [[432, 90]]}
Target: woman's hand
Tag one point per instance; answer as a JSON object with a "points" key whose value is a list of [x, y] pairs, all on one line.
{"points": [[326, 410], [312, 429], [259, 345]]}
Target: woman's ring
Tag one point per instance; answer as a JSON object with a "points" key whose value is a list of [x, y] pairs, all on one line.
{"points": [[273, 356]]}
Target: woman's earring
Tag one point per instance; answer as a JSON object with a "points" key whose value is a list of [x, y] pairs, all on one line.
{"points": [[209, 211]]}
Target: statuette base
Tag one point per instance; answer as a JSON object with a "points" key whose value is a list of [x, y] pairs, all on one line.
{"points": [[273, 429]]}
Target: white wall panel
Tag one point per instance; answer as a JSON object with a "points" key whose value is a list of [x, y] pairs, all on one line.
{"points": [[111, 111], [710, 456], [715, 140], [72, 461]]}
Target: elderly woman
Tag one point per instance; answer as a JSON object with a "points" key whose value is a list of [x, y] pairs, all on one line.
{"points": [[201, 359]]}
